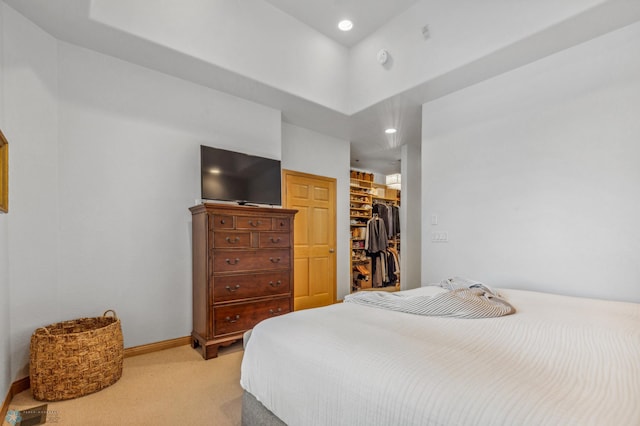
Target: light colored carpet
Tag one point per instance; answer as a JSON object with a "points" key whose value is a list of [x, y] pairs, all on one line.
{"points": [[170, 387]]}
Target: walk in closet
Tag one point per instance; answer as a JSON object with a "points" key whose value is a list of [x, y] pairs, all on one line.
{"points": [[375, 234]]}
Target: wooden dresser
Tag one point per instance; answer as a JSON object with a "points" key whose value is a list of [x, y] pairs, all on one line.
{"points": [[242, 271]]}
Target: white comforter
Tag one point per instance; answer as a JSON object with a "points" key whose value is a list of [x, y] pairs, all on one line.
{"points": [[557, 361]]}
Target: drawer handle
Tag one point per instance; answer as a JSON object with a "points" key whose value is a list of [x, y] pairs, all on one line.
{"points": [[235, 240], [232, 289], [258, 223], [281, 223], [222, 221], [276, 284], [272, 312], [276, 260], [235, 319], [234, 262], [275, 240]]}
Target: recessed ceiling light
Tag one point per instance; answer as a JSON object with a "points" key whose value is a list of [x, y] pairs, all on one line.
{"points": [[345, 25], [390, 131]]}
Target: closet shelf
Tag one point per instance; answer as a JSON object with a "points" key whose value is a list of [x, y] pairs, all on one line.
{"points": [[375, 197]]}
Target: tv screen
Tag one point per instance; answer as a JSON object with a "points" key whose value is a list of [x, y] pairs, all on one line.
{"points": [[233, 176]]}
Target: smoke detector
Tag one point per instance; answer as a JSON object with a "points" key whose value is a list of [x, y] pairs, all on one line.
{"points": [[383, 56]]}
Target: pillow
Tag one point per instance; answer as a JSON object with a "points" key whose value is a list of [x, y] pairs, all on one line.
{"points": [[460, 282]]}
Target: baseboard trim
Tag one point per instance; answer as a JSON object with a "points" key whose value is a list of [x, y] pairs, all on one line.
{"points": [[24, 383], [16, 387], [157, 346]]}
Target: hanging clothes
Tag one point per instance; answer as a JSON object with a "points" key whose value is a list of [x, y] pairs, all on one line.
{"points": [[376, 238], [393, 266], [375, 243], [383, 213], [391, 216], [383, 226], [394, 221]]}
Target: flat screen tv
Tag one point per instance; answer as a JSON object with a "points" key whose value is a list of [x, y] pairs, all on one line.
{"points": [[234, 176]]}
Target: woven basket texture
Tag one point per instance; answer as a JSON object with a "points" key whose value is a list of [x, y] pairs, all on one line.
{"points": [[75, 358]]}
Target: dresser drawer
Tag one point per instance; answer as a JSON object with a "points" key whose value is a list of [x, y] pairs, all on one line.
{"points": [[249, 260], [274, 239], [221, 221], [255, 223], [222, 239], [235, 287], [244, 316], [280, 224]]}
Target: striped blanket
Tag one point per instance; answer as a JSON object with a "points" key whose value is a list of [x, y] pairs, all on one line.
{"points": [[475, 302]]}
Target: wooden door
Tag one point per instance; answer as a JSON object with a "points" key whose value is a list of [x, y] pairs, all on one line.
{"points": [[314, 237]]}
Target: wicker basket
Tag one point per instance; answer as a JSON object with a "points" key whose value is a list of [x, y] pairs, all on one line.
{"points": [[75, 358]]}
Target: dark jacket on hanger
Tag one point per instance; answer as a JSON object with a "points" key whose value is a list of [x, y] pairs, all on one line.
{"points": [[376, 237]]}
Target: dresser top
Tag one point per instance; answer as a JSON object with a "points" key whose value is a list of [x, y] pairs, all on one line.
{"points": [[240, 210]]}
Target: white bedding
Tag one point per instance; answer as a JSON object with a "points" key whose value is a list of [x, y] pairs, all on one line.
{"points": [[558, 361]]}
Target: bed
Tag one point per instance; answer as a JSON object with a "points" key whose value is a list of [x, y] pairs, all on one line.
{"points": [[558, 360]]}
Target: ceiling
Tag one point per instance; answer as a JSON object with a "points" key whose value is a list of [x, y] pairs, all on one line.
{"points": [[323, 15], [371, 149]]}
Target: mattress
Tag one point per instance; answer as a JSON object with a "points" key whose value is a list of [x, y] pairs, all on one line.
{"points": [[557, 361]]}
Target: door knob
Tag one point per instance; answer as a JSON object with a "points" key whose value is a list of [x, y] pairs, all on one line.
{"points": [[331, 250]]}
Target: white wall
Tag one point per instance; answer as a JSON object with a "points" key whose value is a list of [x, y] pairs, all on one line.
{"points": [[129, 171], [30, 110], [410, 218], [461, 32], [310, 152], [534, 174], [251, 38], [5, 352]]}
